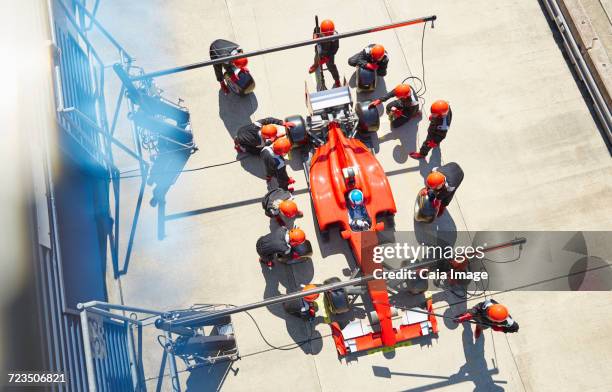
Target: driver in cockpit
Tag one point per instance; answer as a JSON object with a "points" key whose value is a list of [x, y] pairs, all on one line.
{"points": [[358, 215]]}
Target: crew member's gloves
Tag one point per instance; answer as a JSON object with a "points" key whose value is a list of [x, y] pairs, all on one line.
{"points": [[234, 77], [374, 103], [372, 66], [395, 112], [295, 256], [497, 328], [288, 124], [323, 60], [431, 144], [224, 87], [268, 178], [463, 318]]}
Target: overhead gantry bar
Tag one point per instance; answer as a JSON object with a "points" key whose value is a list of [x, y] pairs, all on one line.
{"points": [[315, 41]]}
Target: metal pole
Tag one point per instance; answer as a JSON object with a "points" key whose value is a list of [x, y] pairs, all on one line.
{"points": [[176, 385], [91, 376], [107, 305], [315, 41], [198, 319]]}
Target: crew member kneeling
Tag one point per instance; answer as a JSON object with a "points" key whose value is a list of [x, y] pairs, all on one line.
{"points": [[442, 183], [224, 48], [487, 314], [401, 110], [252, 138], [372, 57], [281, 244], [279, 204]]}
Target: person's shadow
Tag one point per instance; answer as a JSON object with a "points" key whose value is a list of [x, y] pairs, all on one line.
{"points": [[236, 112], [292, 277], [435, 160], [476, 368]]}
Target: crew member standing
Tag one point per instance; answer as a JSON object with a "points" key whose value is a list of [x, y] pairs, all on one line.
{"points": [[401, 110], [253, 137], [274, 162], [439, 122], [224, 48], [443, 182], [489, 313], [372, 57], [325, 53], [279, 244], [279, 204]]}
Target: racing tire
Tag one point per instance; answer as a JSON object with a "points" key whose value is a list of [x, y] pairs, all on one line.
{"points": [[337, 300], [297, 135], [369, 120]]}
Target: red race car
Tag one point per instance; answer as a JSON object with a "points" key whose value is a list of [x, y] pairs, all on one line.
{"points": [[336, 163]]}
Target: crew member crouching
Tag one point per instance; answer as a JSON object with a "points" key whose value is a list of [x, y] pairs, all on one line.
{"points": [[442, 183], [274, 163], [281, 244], [279, 204], [439, 122], [401, 110], [487, 314], [372, 57], [223, 48], [252, 138]]}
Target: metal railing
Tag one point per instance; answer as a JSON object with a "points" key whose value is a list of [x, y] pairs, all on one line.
{"points": [[572, 49]]}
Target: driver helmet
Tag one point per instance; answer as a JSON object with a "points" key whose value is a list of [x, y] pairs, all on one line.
{"points": [[356, 197]]}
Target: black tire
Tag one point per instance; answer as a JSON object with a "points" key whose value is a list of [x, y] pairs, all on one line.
{"points": [[337, 300], [366, 80], [297, 135], [369, 119]]}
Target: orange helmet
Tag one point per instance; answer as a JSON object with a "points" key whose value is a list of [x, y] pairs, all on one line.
{"points": [[327, 27], [377, 52], [497, 312], [402, 91], [281, 146], [439, 108], [311, 297], [241, 63], [435, 180], [296, 236], [268, 131], [288, 208]]}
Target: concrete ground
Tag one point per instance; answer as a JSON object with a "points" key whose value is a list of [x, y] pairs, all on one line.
{"points": [[533, 157]]}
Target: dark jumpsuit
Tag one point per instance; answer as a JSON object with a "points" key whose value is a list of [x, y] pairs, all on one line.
{"points": [[222, 48], [273, 245], [454, 176], [275, 167], [436, 132], [271, 197], [249, 136], [409, 106], [479, 314], [329, 50], [362, 58]]}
